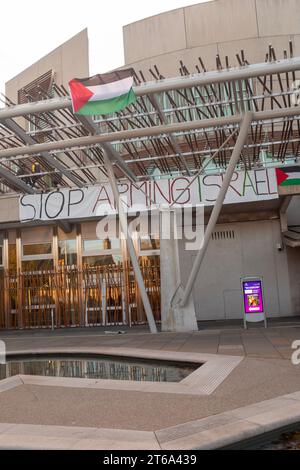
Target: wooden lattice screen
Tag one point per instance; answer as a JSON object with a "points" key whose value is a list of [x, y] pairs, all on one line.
{"points": [[68, 296]]}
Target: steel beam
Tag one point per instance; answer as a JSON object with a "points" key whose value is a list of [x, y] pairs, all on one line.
{"points": [[285, 203], [210, 159], [15, 181], [163, 120], [201, 79], [108, 148], [116, 136], [148, 132], [110, 155], [27, 139], [282, 213], [243, 134], [129, 242], [209, 78], [36, 107]]}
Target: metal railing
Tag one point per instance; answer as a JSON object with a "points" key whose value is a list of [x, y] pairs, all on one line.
{"points": [[72, 297]]}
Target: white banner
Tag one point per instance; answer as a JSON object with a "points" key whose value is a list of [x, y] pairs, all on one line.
{"points": [[78, 203]]}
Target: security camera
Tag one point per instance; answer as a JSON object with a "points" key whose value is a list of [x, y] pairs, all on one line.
{"points": [[279, 246]]}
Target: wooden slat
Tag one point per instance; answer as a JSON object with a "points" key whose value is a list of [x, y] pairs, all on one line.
{"points": [[110, 296]]}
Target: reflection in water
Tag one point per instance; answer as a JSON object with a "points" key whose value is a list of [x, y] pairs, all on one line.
{"points": [[287, 441], [107, 368]]}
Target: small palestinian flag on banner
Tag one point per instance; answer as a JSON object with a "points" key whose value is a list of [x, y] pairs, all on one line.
{"points": [[102, 94], [288, 176]]}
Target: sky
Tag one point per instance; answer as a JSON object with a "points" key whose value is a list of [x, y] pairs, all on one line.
{"points": [[31, 29]]}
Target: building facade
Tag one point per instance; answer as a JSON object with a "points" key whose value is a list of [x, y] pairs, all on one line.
{"points": [[53, 275], [245, 243], [210, 29], [58, 274]]}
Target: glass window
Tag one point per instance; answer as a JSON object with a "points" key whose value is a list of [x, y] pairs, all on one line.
{"points": [[101, 260], [12, 257], [37, 265], [101, 245], [149, 243], [149, 247], [149, 250], [152, 260], [101, 252], [37, 249], [67, 252]]}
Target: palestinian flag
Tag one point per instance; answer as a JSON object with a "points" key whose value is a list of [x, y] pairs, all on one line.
{"points": [[102, 94], [288, 176]]}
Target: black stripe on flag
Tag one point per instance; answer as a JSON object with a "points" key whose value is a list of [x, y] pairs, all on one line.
{"points": [[104, 78]]}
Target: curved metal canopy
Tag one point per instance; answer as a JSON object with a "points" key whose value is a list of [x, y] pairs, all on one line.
{"points": [[175, 127]]}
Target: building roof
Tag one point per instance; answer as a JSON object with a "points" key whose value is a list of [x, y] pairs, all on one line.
{"points": [[184, 125]]}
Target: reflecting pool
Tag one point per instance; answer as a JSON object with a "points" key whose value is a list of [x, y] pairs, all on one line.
{"points": [[286, 441], [101, 367]]}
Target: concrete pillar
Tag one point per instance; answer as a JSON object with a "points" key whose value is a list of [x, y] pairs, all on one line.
{"points": [[172, 317]]}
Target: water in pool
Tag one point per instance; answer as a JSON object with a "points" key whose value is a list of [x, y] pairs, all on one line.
{"points": [[286, 441], [97, 368]]}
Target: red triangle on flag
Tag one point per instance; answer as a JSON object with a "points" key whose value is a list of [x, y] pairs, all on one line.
{"points": [[281, 176], [80, 95]]}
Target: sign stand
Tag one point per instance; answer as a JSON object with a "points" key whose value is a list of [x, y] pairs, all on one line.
{"points": [[253, 300]]}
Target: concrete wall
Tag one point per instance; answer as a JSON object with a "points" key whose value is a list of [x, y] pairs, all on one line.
{"points": [[9, 208], [69, 60], [293, 256], [252, 252], [293, 211], [219, 27]]}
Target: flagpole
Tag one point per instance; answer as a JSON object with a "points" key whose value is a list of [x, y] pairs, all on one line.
{"points": [[129, 242]]}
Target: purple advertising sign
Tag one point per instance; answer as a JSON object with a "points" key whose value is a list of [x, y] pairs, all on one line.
{"points": [[253, 297]]}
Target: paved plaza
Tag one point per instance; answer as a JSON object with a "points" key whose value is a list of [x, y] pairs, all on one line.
{"points": [[264, 373], [213, 337]]}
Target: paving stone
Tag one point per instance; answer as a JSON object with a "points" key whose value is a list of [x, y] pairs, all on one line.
{"points": [[277, 418], [214, 438]]}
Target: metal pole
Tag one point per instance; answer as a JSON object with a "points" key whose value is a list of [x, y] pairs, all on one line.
{"points": [[16, 129], [163, 120], [291, 112], [159, 86], [204, 166], [132, 253], [243, 134], [111, 151], [120, 135], [52, 319]]}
